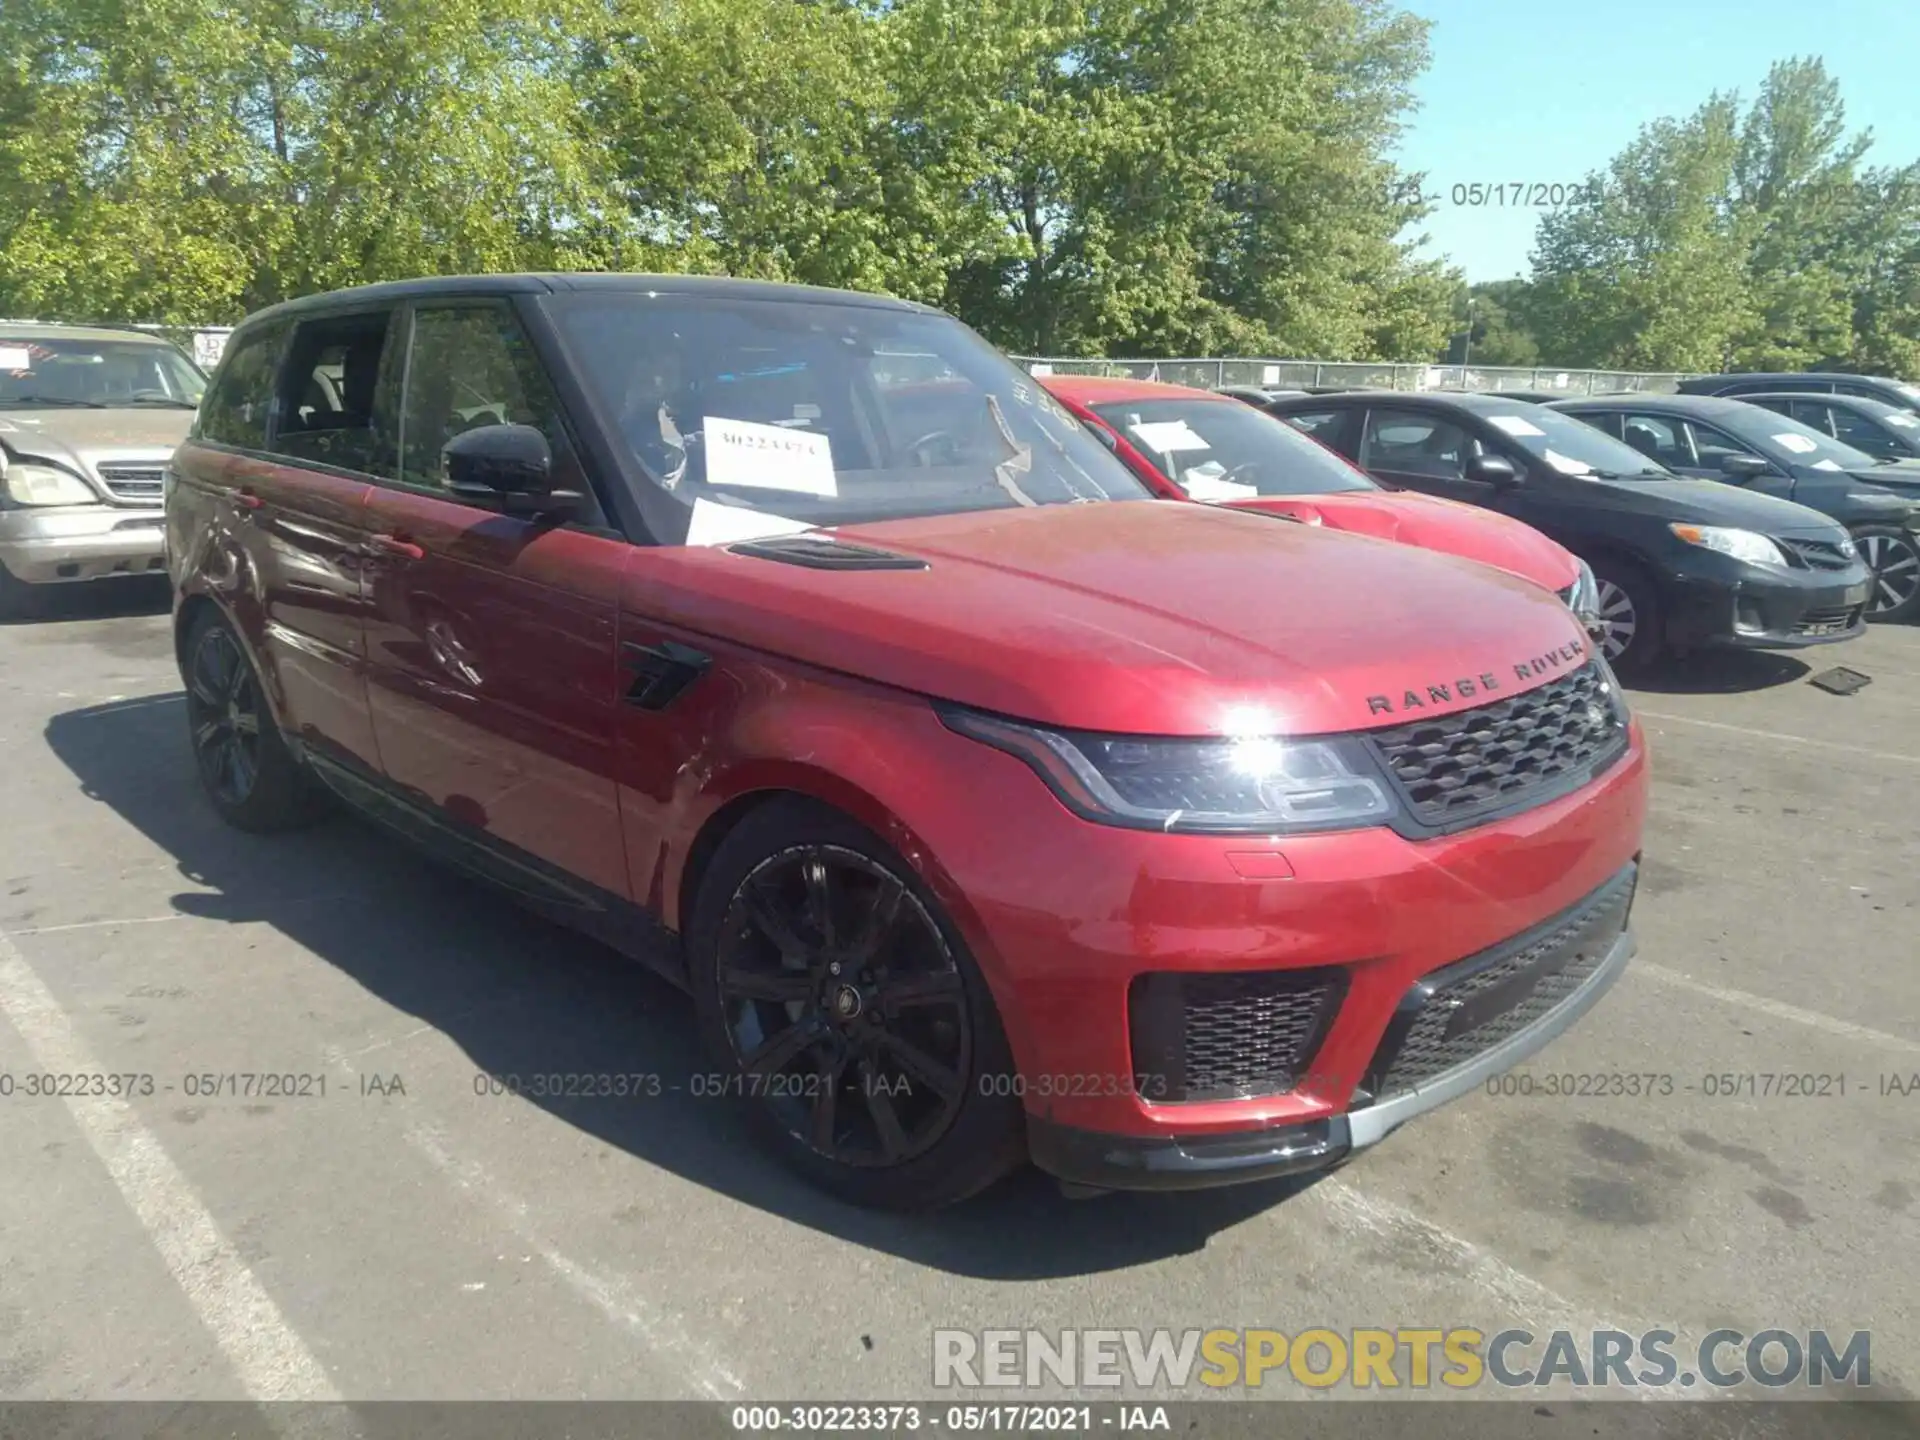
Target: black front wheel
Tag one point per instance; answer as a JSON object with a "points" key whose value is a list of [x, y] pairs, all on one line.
{"points": [[1629, 617], [1893, 554], [845, 1011], [245, 767]]}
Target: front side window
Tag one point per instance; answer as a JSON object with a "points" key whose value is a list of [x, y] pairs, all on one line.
{"points": [[1224, 450], [326, 406], [1873, 435], [1713, 446], [1815, 414], [1408, 443], [236, 407], [1779, 439], [96, 374], [749, 416]]}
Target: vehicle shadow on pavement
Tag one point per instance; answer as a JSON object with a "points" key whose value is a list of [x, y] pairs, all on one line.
{"points": [[524, 997], [104, 600], [1721, 672]]}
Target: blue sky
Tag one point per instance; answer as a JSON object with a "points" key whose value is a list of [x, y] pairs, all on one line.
{"points": [[1524, 91]]}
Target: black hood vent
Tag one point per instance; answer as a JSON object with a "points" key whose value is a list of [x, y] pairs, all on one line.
{"points": [[816, 552]]}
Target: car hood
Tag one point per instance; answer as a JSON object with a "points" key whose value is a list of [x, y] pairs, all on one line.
{"points": [[83, 438], [1902, 477], [1433, 524], [1703, 502], [1143, 617]]}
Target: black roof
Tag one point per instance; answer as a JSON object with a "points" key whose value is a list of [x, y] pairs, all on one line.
{"points": [[1868, 404], [1703, 407], [1780, 375], [713, 287], [1439, 399]]}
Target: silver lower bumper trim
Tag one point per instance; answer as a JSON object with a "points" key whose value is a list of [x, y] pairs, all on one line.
{"points": [[1373, 1124]]}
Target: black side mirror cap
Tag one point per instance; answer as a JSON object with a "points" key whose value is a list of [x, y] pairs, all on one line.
{"points": [[508, 468], [1744, 467], [1492, 470]]}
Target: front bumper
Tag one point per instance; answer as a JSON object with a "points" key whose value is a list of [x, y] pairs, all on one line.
{"points": [[1752, 609], [82, 542], [1126, 1162]]}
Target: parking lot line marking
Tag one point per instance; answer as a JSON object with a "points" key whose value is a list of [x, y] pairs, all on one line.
{"points": [[1779, 1010], [267, 1355], [612, 1295], [1779, 735], [98, 924]]}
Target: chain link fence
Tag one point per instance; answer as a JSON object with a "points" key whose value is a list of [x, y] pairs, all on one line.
{"points": [[1357, 375]]}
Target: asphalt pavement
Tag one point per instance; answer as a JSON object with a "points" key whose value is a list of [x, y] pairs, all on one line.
{"points": [[383, 1226]]}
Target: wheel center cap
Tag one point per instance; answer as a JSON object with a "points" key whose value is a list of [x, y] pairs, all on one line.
{"points": [[847, 1003]]}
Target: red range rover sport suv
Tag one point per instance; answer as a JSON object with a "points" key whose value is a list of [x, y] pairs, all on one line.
{"points": [[989, 807]]}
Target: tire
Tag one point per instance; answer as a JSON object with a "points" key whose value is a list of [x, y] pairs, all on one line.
{"points": [[1631, 610], [19, 600], [1893, 554], [880, 1008], [245, 767]]}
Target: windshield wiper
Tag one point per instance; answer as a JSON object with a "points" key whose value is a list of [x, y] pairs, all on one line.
{"points": [[169, 404], [51, 400]]}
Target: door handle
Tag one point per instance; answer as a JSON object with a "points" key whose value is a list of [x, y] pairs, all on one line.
{"points": [[396, 545]]}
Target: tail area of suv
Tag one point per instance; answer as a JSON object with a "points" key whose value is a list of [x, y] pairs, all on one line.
{"points": [[990, 809]]}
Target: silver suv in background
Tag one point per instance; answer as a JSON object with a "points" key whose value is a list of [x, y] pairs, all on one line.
{"points": [[88, 421]]}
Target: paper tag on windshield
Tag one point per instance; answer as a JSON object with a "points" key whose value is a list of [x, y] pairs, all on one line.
{"points": [[1799, 444], [1566, 464], [13, 357], [727, 524], [767, 457], [1515, 424], [1168, 436], [1905, 422], [1826, 465], [1209, 487]]}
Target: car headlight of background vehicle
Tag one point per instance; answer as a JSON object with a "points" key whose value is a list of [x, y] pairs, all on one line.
{"points": [[1225, 785], [1583, 596], [25, 483], [1747, 545]]}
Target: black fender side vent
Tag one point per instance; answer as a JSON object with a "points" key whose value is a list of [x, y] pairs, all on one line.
{"points": [[662, 672], [816, 552]]}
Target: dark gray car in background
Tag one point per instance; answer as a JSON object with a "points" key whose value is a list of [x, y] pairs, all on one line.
{"points": [[1770, 454]]}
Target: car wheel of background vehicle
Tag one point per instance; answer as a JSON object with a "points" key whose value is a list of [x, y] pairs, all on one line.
{"points": [[245, 766], [1629, 615], [1894, 557], [18, 600], [845, 1010]]}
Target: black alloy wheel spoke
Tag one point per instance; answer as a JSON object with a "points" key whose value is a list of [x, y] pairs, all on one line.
{"points": [[778, 987], [886, 1120], [763, 913], [824, 1118], [918, 1065], [914, 991], [819, 882], [781, 1049], [883, 912]]}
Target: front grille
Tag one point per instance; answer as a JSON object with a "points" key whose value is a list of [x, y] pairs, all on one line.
{"points": [[1228, 1036], [1819, 554], [134, 482], [1513, 753], [1465, 1009], [1828, 620]]}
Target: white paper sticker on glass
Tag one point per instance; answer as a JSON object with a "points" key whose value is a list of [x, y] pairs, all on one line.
{"points": [[1209, 487], [1798, 444], [1567, 465], [714, 524], [767, 457], [1902, 419], [1168, 436], [1826, 465], [15, 357], [1515, 424]]}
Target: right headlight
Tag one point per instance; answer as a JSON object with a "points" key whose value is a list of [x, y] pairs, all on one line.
{"points": [[1747, 545], [1255, 784], [30, 484]]}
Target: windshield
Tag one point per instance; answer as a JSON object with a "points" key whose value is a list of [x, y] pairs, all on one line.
{"points": [[102, 374], [1221, 450], [1787, 441], [1570, 445], [753, 417]]}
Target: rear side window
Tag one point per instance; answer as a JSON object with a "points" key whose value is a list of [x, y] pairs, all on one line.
{"points": [[234, 411], [329, 394], [1332, 428], [1657, 438], [1816, 413], [1416, 444]]}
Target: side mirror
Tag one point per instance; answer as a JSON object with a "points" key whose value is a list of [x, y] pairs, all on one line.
{"points": [[1744, 467], [508, 468], [1492, 470]]}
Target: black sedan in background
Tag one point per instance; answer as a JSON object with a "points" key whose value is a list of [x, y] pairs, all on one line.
{"points": [[1884, 431], [1681, 564], [1877, 500], [1806, 382]]}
